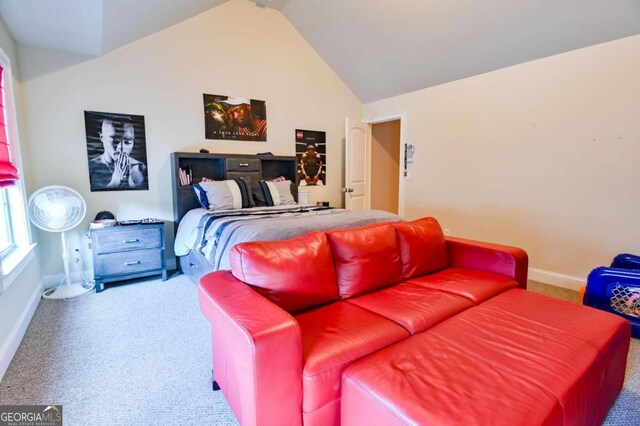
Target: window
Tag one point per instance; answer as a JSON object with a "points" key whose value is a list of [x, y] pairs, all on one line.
{"points": [[16, 250], [6, 231]]}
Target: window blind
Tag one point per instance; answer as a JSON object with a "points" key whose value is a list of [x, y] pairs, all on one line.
{"points": [[8, 172]]}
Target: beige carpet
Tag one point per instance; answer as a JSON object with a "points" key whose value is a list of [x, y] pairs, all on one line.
{"points": [[140, 354]]}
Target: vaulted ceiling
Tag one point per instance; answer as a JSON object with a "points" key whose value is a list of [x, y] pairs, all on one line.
{"points": [[380, 48]]}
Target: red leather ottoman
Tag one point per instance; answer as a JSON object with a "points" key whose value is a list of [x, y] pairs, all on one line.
{"points": [[520, 358]]}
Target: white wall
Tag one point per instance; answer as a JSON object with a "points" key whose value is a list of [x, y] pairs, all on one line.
{"points": [[543, 155], [235, 49], [18, 301]]}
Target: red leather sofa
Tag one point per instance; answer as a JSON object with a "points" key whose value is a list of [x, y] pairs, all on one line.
{"points": [[394, 324]]}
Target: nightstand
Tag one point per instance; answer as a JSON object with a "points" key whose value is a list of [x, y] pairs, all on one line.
{"points": [[126, 252]]}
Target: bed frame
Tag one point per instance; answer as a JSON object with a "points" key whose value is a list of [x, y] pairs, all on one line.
{"points": [[220, 167]]}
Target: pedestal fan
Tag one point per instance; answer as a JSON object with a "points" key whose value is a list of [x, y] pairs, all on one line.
{"points": [[59, 209]]}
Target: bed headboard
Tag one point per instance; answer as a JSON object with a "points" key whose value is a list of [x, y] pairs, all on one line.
{"points": [[224, 166]]}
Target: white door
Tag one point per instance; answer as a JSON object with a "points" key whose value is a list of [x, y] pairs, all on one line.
{"points": [[356, 162]]}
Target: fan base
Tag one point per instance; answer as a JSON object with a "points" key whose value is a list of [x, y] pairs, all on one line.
{"points": [[67, 291]]}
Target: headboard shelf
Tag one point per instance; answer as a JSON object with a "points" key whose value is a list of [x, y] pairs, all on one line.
{"points": [[221, 167]]}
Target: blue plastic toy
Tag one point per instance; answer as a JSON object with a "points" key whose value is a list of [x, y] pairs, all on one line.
{"points": [[616, 289], [626, 261]]}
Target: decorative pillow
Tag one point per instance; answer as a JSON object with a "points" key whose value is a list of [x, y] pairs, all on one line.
{"points": [[201, 195], [294, 274], [223, 194], [270, 193], [248, 183]]}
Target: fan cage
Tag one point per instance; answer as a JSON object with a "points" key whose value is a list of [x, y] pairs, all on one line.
{"points": [[56, 208]]}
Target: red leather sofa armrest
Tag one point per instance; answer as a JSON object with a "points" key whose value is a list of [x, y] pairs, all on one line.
{"points": [[510, 261], [257, 352]]}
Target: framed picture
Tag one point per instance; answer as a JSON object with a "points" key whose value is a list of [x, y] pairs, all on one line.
{"points": [[311, 152], [117, 151], [238, 119]]}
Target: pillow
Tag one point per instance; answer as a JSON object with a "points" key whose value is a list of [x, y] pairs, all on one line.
{"points": [[273, 193], [295, 274], [423, 248], [248, 183], [201, 195], [366, 258], [223, 194]]}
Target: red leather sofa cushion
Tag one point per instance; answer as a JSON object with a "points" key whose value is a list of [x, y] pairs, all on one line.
{"points": [[608, 333], [423, 248], [333, 336], [545, 351], [476, 286], [366, 258], [510, 360], [426, 381], [414, 307], [294, 274]]}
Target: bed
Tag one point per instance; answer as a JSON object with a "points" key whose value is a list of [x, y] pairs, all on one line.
{"points": [[205, 237]]}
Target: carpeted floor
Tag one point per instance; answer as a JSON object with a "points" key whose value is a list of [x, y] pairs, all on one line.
{"points": [[140, 354]]}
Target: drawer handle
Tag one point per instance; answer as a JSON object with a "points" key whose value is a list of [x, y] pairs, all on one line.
{"points": [[192, 265], [137, 262], [135, 240], [244, 164]]}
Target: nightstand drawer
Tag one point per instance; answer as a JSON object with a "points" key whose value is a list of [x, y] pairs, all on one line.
{"points": [[129, 262], [124, 238], [238, 164]]}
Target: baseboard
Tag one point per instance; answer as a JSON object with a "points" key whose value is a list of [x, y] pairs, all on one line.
{"points": [[10, 346], [556, 279], [50, 281]]}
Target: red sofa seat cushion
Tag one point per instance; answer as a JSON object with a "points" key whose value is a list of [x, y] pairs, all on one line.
{"points": [[414, 307], [294, 274], [333, 336], [476, 286], [423, 248], [510, 360], [424, 380], [608, 333], [545, 351], [366, 258]]}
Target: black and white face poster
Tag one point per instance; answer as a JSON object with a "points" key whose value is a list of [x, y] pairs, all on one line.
{"points": [[117, 151]]}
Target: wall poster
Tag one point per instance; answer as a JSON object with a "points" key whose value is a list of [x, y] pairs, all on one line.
{"points": [[238, 119], [311, 152], [117, 151]]}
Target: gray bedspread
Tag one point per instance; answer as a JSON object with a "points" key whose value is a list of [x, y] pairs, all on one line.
{"points": [[287, 226]]}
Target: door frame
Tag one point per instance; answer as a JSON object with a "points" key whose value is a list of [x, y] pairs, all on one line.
{"points": [[401, 178]]}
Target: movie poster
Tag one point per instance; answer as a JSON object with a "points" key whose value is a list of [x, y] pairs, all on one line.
{"points": [[311, 152], [117, 151], [238, 119]]}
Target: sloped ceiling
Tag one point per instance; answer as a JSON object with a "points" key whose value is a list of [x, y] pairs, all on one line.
{"points": [[383, 48], [380, 48], [93, 27]]}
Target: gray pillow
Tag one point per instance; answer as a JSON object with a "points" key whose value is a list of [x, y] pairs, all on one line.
{"points": [[227, 194], [284, 190]]}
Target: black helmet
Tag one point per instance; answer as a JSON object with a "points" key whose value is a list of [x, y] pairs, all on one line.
{"points": [[104, 215]]}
